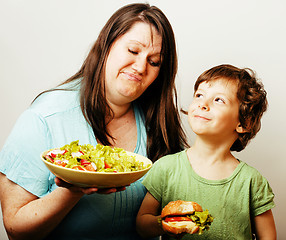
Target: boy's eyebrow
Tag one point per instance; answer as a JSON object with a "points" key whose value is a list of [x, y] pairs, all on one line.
{"points": [[217, 93], [227, 98]]}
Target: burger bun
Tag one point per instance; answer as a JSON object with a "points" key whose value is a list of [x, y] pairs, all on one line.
{"points": [[180, 227], [180, 208]]}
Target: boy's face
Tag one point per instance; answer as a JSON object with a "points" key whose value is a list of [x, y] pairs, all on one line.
{"points": [[214, 110]]}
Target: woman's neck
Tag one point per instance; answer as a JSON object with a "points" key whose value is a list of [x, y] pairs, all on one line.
{"points": [[120, 110], [122, 127]]}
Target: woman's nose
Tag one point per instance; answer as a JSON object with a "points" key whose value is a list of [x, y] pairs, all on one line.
{"points": [[140, 65]]}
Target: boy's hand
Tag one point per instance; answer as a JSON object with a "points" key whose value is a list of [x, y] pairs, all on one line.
{"points": [[176, 236]]}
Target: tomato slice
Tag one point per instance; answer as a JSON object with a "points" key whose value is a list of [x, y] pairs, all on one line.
{"points": [[89, 167], [78, 168], [60, 163], [176, 219]]}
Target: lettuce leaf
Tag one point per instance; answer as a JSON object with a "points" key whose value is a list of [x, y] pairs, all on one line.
{"points": [[202, 219], [115, 158]]}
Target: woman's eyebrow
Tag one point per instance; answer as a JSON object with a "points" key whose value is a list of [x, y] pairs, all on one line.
{"points": [[145, 46]]}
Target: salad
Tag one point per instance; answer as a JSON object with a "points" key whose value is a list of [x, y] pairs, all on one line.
{"points": [[96, 159]]}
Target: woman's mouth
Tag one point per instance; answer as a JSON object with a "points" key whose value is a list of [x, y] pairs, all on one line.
{"points": [[133, 77]]}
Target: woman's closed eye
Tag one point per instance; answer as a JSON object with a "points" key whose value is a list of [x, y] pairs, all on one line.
{"points": [[154, 63], [133, 51]]}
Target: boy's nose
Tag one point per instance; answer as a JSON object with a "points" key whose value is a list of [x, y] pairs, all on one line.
{"points": [[203, 106]]}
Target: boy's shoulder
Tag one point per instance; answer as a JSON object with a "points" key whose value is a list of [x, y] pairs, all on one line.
{"points": [[251, 173], [250, 169], [170, 159]]}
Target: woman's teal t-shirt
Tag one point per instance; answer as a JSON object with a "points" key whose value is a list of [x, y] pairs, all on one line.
{"points": [[233, 202], [53, 120]]}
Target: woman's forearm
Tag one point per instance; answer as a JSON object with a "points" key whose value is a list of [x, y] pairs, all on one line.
{"points": [[36, 219]]}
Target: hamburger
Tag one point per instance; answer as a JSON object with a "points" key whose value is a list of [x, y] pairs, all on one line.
{"points": [[185, 217]]}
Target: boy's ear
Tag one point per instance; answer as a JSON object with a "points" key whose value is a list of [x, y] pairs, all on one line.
{"points": [[240, 129]]}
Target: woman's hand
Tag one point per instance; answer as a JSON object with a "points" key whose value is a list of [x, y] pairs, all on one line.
{"points": [[88, 190]]}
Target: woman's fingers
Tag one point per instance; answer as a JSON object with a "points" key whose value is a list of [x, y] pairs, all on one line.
{"points": [[88, 190]]}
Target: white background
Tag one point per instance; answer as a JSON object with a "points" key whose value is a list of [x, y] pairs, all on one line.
{"points": [[44, 42]]}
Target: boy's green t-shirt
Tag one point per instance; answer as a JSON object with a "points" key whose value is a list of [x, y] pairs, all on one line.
{"points": [[233, 202]]}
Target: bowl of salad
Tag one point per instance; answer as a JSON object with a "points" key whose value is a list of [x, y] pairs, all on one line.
{"points": [[100, 166]]}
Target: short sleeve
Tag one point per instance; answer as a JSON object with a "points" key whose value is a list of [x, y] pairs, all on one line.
{"points": [[154, 180], [262, 195], [20, 157]]}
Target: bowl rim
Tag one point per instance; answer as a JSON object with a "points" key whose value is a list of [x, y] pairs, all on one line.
{"points": [[96, 173]]}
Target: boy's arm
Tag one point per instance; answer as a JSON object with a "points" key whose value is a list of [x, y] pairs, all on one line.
{"points": [[265, 226], [147, 224]]}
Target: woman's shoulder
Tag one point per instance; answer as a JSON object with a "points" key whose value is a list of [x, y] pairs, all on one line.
{"points": [[56, 101]]}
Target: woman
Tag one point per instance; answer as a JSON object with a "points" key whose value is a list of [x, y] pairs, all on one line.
{"points": [[124, 96]]}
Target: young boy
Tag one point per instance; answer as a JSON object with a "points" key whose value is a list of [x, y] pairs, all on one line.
{"points": [[225, 114]]}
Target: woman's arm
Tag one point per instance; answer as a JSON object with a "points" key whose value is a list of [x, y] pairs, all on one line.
{"points": [[265, 226], [147, 224], [28, 217]]}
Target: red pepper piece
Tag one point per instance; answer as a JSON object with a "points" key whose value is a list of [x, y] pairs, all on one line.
{"points": [[106, 165], [48, 157], [84, 162]]}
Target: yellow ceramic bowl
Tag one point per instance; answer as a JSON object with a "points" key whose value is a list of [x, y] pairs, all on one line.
{"points": [[98, 179]]}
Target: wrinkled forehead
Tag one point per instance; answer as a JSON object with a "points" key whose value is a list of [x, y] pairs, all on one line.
{"points": [[145, 33]]}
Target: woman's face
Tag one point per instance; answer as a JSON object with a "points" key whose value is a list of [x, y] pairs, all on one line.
{"points": [[133, 63]]}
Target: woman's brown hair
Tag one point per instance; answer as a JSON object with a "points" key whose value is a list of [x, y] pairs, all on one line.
{"points": [[159, 102]]}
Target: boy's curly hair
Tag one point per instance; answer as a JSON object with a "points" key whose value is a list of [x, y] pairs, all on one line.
{"points": [[251, 95]]}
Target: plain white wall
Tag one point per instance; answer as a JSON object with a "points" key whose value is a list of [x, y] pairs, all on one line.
{"points": [[44, 42]]}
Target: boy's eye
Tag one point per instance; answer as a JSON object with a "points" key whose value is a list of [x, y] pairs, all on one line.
{"points": [[198, 95], [220, 100]]}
